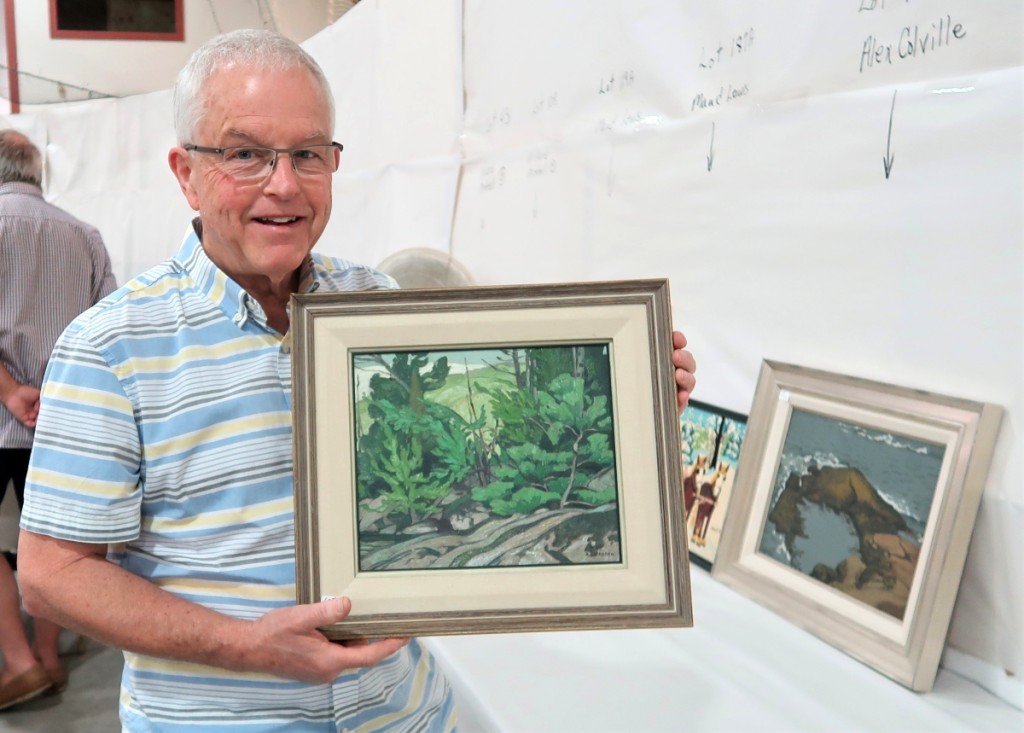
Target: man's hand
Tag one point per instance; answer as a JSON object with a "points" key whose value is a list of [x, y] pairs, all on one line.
{"points": [[685, 366], [23, 402], [59, 580], [286, 642]]}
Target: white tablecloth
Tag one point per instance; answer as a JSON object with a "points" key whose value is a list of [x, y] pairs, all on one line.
{"points": [[740, 668]]}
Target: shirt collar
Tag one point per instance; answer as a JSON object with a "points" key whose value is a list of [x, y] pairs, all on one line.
{"points": [[224, 292], [29, 189], [311, 274]]}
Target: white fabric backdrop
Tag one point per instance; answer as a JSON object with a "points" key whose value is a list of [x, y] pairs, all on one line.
{"points": [[541, 142]]}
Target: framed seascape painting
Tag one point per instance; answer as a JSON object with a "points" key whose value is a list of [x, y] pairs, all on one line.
{"points": [[489, 459], [853, 511], [710, 441]]}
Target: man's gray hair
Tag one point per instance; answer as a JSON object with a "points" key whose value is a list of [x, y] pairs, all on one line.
{"points": [[20, 160], [258, 49]]}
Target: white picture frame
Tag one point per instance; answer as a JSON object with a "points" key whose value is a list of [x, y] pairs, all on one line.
{"points": [[853, 509]]}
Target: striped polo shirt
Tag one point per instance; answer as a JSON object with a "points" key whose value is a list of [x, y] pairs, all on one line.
{"points": [[52, 267], [166, 425]]}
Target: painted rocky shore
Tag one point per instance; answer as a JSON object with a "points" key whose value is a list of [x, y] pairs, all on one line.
{"points": [[569, 536], [881, 571]]}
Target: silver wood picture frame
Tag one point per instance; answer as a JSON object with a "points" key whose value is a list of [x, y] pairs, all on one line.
{"points": [[489, 459]]}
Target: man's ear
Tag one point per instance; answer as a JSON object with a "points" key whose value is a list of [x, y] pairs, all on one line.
{"points": [[181, 165]]}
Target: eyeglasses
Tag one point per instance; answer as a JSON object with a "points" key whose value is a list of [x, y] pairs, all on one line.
{"points": [[254, 164]]}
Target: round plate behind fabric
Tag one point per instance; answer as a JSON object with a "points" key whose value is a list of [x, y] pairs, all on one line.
{"points": [[422, 267]]}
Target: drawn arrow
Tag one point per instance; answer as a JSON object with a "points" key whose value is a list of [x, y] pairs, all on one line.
{"points": [[887, 160], [711, 148], [611, 170]]}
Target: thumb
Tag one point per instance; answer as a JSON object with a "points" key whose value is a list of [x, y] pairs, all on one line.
{"points": [[333, 610]]}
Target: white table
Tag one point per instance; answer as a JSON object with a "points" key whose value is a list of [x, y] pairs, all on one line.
{"points": [[740, 668]]}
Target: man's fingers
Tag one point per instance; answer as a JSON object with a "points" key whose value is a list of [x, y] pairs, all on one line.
{"points": [[685, 380], [365, 655], [684, 360]]}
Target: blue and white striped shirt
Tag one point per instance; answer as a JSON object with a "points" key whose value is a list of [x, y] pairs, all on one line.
{"points": [[166, 425]]}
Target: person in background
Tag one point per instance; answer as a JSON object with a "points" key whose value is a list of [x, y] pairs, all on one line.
{"points": [[52, 267], [166, 425]]}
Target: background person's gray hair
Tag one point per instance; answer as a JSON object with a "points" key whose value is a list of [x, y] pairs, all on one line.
{"points": [[260, 49], [20, 160]]}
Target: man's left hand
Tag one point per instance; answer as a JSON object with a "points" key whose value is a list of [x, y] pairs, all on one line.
{"points": [[685, 366]]}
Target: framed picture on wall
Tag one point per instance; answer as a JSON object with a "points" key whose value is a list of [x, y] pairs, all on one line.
{"points": [[486, 459], [110, 20], [853, 511], [710, 441]]}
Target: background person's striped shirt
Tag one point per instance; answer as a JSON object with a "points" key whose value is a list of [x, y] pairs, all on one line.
{"points": [[52, 267]]}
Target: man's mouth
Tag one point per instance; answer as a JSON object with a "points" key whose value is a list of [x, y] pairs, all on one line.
{"points": [[277, 220]]}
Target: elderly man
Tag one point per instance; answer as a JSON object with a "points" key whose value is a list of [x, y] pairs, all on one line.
{"points": [[53, 267], [166, 426]]}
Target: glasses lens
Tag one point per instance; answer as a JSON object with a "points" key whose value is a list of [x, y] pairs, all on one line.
{"points": [[247, 163], [316, 160], [243, 163]]}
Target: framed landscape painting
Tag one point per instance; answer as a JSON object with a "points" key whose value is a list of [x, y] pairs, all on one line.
{"points": [[853, 512], [489, 459], [710, 441]]}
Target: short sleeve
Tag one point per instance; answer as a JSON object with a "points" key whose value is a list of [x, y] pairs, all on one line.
{"points": [[83, 483]]}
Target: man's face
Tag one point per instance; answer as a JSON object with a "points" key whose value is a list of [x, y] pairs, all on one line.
{"points": [[265, 229]]}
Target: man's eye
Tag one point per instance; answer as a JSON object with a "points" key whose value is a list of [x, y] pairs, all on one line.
{"points": [[305, 154], [246, 154]]}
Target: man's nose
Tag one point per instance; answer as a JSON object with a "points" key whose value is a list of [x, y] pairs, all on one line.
{"points": [[282, 172]]}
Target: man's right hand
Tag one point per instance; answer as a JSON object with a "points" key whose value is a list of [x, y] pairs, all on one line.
{"points": [[23, 402], [286, 642], [59, 578]]}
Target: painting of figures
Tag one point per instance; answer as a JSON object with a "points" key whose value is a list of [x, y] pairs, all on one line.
{"points": [[710, 441], [488, 457], [850, 505]]}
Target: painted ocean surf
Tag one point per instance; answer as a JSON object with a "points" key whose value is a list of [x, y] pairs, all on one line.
{"points": [[822, 541]]}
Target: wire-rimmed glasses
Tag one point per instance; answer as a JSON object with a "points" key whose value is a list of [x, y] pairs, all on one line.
{"points": [[253, 164]]}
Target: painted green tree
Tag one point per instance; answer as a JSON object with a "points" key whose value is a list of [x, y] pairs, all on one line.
{"points": [[543, 441], [554, 433], [415, 450]]}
